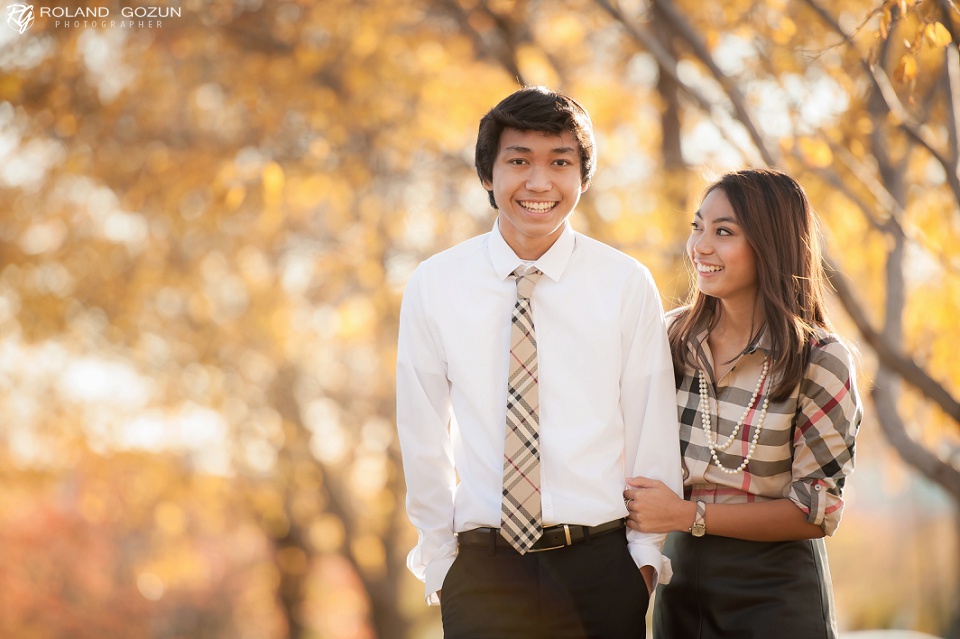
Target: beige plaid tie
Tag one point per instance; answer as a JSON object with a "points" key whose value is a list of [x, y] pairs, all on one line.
{"points": [[520, 521]]}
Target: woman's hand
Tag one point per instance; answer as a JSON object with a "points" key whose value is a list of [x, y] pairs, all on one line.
{"points": [[654, 508]]}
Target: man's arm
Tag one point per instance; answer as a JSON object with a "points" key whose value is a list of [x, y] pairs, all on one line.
{"points": [[648, 401], [423, 417]]}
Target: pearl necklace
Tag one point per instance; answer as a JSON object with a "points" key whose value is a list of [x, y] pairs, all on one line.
{"points": [[712, 437]]}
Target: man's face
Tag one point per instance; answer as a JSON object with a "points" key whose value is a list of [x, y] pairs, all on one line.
{"points": [[536, 184]]}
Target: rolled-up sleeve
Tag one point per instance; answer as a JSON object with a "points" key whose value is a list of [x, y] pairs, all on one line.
{"points": [[828, 418]]}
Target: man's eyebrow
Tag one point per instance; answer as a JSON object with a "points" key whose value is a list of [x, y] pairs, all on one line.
{"points": [[560, 150]]}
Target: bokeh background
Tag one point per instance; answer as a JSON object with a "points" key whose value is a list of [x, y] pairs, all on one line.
{"points": [[208, 216]]}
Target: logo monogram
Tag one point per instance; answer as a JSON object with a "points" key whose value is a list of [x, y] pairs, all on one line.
{"points": [[20, 17]]}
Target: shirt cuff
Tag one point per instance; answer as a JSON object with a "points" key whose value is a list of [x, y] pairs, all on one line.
{"points": [[435, 573], [818, 503], [649, 556]]}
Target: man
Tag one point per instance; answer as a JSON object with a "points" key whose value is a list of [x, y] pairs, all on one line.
{"points": [[533, 377]]}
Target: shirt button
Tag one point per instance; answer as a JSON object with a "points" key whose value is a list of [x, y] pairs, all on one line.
{"points": [[817, 487]]}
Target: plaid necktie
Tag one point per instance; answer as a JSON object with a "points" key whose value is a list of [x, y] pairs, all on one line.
{"points": [[520, 521]]}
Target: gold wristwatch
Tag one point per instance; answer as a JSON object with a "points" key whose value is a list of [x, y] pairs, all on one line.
{"points": [[699, 527]]}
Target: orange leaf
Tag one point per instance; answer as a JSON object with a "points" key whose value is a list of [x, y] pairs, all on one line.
{"points": [[937, 35], [906, 70]]}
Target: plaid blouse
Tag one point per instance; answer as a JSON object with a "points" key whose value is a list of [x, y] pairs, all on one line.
{"points": [[806, 446]]}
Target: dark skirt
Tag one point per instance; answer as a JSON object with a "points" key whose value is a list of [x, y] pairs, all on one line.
{"points": [[731, 588]]}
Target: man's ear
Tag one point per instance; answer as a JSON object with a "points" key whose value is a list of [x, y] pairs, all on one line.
{"points": [[487, 184], [584, 187]]}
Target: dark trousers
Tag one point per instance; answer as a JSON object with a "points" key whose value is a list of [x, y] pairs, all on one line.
{"points": [[591, 590]]}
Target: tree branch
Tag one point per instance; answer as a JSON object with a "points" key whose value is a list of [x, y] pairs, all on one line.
{"points": [[894, 221], [889, 355], [948, 6], [834, 179], [905, 121], [504, 55], [915, 454], [667, 63], [736, 97], [951, 81]]}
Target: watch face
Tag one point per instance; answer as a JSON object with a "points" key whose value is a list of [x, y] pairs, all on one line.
{"points": [[698, 530]]}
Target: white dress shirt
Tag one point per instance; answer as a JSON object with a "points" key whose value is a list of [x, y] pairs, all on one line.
{"points": [[607, 396]]}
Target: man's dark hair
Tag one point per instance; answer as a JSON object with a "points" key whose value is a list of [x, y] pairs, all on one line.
{"points": [[535, 109]]}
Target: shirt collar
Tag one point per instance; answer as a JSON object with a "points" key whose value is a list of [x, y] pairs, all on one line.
{"points": [[699, 343], [552, 263], [763, 343]]}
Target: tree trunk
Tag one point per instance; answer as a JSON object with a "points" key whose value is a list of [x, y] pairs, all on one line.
{"points": [[674, 167], [292, 560]]}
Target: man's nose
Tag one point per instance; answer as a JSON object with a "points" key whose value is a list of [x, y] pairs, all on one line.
{"points": [[538, 179]]}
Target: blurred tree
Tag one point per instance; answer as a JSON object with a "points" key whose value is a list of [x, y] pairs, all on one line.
{"points": [[128, 546], [207, 227]]}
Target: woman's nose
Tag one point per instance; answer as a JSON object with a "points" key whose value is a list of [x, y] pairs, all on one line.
{"points": [[702, 245]]}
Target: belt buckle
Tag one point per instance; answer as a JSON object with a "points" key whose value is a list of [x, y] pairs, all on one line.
{"points": [[569, 541]]}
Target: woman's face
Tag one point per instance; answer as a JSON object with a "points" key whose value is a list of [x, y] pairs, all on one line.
{"points": [[724, 261]]}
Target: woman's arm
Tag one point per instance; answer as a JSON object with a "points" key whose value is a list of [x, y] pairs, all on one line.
{"points": [[654, 508]]}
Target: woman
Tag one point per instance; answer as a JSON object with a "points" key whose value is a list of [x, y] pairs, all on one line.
{"points": [[768, 411]]}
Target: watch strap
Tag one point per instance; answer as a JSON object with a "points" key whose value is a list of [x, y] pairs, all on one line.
{"points": [[699, 527]]}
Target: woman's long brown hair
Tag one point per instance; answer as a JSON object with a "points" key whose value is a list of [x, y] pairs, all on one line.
{"points": [[781, 228]]}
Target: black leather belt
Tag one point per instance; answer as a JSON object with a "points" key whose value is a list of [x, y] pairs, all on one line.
{"points": [[553, 537]]}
